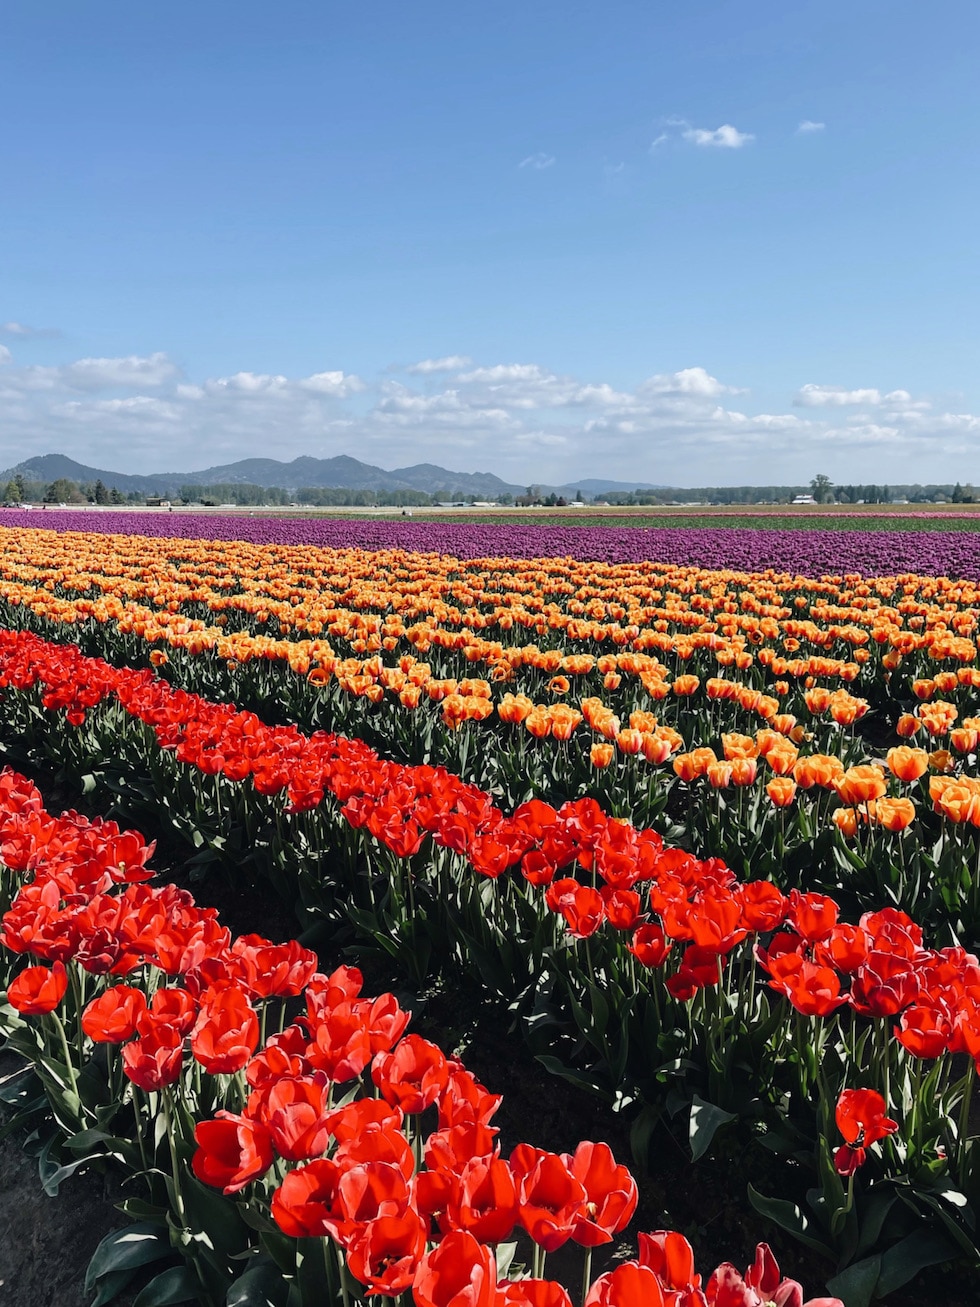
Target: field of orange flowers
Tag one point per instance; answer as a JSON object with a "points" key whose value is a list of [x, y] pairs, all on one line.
{"points": [[711, 835]]}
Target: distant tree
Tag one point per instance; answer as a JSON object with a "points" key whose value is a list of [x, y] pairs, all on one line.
{"points": [[101, 493], [821, 487], [62, 491], [12, 493], [116, 496]]}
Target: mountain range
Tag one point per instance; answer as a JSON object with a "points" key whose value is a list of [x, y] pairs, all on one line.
{"points": [[341, 472]]}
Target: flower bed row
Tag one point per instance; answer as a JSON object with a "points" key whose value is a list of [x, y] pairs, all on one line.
{"points": [[148, 1026], [686, 985], [938, 553]]}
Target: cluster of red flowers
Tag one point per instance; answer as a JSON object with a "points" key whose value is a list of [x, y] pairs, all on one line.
{"points": [[664, 900], [85, 902], [660, 898]]}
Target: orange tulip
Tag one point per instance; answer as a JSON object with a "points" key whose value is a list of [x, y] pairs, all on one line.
{"points": [[907, 764], [845, 819], [861, 784], [601, 754], [893, 814], [781, 790]]}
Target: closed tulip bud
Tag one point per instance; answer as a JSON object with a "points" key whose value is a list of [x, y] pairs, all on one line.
{"points": [[781, 790], [907, 725], [629, 741], [744, 770]]}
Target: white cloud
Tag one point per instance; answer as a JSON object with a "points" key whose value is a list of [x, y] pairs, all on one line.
{"points": [[23, 330], [542, 426], [337, 384], [121, 373], [688, 381], [538, 161], [725, 137], [5, 355], [452, 363], [808, 127], [814, 396]]}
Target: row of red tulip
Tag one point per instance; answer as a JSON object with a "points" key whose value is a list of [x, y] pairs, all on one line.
{"points": [[339, 1091]]}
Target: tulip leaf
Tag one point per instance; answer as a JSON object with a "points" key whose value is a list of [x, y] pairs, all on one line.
{"points": [[914, 1253], [127, 1248], [51, 1179], [788, 1216], [857, 1285], [261, 1285], [110, 1286], [177, 1284], [706, 1120]]}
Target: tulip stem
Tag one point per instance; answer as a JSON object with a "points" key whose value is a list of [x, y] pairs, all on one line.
{"points": [[586, 1275]]}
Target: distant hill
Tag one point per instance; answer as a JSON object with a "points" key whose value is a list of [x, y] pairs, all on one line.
{"points": [[341, 472]]}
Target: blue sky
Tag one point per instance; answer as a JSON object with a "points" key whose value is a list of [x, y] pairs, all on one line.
{"points": [[712, 243]]}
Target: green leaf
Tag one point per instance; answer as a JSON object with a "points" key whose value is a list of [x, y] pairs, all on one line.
{"points": [[706, 1120], [591, 1084], [788, 1216], [857, 1284], [51, 1179], [178, 1284], [111, 1285], [261, 1285], [124, 1249], [913, 1254]]}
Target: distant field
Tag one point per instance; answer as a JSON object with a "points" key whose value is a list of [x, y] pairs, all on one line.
{"points": [[881, 518]]}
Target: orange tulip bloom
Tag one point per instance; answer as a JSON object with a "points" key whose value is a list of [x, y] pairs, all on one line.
{"points": [[782, 791], [893, 814], [861, 784], [845, 819], [601, 754], [907, 764]]}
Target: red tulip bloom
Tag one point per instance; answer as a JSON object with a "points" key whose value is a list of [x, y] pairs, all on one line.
{"points": [[175, 1007], [413, 1076], [764, 907], [111, 1018], [925, 1030], [610, 1193], [459, 1272], [847, 1160], [649, 945], [307, 1203], [38, 990], [295, 1110], [226, 1033], [534, 1293], [484, 1202], [155, 1059], [630, 1285], [671, 1258], [813, 915], [551, 1201], [232, 1152], [813, 990], [581, 906], [385, 1253], [860, 1116], [761, 1286]]}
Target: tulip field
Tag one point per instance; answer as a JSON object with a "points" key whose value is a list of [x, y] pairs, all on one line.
{"points": [[699, 809]]}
